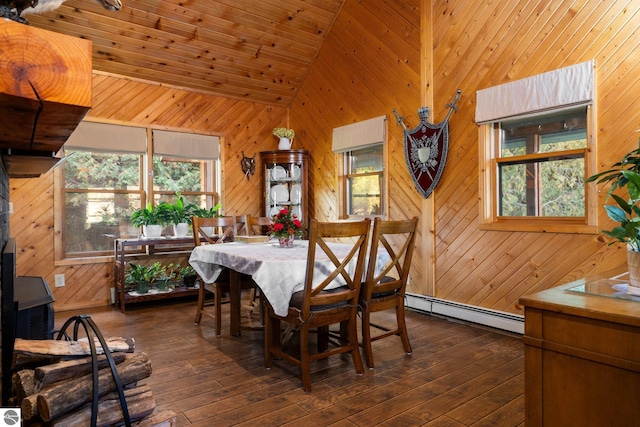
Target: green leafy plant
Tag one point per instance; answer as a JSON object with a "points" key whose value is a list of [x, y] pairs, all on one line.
{"points": [[140, 272], [623, 177], [187, 271], [208, 213], [178, 211], [169, 271], [149, 215]]}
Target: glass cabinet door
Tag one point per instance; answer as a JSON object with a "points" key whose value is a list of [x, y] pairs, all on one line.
{"points": [[285, 182]]}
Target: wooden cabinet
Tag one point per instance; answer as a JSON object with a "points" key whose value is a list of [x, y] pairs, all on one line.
{"points": [[144, 251], [285, 182], [582, 356]]}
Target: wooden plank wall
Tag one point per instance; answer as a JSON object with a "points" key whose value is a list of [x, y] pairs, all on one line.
{"points": [[370, 63], [244, 127]]}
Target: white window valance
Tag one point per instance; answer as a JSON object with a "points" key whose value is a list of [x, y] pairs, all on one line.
{"points": [[563, 88], [185, 145], [108, 138], [359, 135]]}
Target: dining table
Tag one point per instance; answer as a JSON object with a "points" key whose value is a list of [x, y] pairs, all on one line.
{"points": [[278, 271]]}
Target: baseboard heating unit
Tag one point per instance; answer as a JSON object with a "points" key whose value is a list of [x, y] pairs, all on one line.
{"points": [[470, 313]]}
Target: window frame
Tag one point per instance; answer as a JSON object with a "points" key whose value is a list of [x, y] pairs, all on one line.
{"points": [[488, 147]]}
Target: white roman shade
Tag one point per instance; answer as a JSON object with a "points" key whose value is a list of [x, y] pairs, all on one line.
{"points": [[567, 87], [359, 135], [107, 138], [185, 145]]}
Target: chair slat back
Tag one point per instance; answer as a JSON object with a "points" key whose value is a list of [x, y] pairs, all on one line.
{"points": [[321, 234], [398, 239], [257, 225], [214, 230]]}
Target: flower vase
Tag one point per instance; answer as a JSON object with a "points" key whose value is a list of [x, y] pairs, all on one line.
{"points": [[285, 144], [286, 242]]}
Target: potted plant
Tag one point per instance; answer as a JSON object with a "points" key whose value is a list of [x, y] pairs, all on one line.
{"points": [[142, 275], [285, 135], [179, 214], [623, 182], [189, 276], [166, 274], [151, 219]]}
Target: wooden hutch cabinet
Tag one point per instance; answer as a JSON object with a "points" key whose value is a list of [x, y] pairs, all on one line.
{"points": [[285, 182]]}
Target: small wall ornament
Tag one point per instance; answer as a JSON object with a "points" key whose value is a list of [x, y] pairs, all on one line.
{"points": [[426, 147], [248, 165]]}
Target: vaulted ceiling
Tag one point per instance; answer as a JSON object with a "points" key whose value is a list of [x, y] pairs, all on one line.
{"points": [[259, 50]]}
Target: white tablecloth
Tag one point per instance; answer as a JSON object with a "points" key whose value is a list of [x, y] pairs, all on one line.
{"points": [[279, 272]]}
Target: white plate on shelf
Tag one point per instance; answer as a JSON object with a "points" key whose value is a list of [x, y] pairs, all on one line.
{"points": [[278, 172], [295, 172], [279, 193], [296, 193]]}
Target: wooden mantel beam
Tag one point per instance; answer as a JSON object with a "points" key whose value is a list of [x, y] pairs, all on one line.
{"points": [[45, 86]]}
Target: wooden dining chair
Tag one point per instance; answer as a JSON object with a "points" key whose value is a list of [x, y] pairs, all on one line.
{"points": [[211, 231], [317, 306], [257, 225], [386, 290]]}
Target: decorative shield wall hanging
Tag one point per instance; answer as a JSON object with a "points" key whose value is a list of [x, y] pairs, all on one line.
{"points": [[426, 147]]}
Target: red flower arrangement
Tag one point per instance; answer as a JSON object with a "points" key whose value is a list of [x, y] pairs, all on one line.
{"points": [[285, 224]]}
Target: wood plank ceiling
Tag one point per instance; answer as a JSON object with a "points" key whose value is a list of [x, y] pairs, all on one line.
{"points": [[258, 50]]}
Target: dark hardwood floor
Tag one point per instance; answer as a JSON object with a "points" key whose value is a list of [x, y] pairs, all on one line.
{"points": [[458, 374]]}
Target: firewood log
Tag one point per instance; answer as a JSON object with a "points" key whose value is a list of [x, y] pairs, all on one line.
{"points": [[140, 403], [32, 361], [67, 369], [23, 383], [71, 348], [29, 407], [64, 396]]}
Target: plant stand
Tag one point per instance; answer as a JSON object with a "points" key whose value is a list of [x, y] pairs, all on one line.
{"points": [[130, 249]]}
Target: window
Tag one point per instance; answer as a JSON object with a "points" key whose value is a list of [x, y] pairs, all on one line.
{"points": [[185, 163], [193, 179], [540, 165], [364, 181], [101, 191], [535, 141], [100, 188], [361, 173]]}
